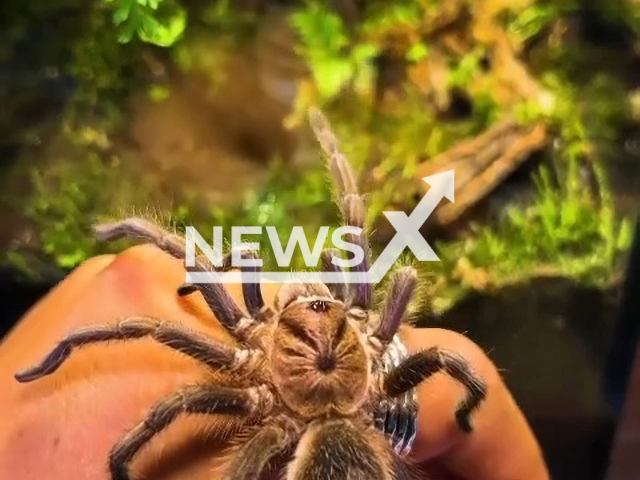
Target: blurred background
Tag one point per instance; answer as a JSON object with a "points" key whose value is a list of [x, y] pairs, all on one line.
{"points": [[193, 112]]}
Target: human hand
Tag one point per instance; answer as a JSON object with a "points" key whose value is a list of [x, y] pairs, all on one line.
{"points": [[63, 425]]}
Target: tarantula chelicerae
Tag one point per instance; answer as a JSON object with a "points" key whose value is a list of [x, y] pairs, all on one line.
{"points": [[312, 378]]}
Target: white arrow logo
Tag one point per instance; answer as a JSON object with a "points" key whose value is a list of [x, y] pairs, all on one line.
{"points": [[407, 235], [408, 227]]}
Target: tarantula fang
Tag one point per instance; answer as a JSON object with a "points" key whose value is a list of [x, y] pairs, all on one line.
{"points": [[320, 378]]}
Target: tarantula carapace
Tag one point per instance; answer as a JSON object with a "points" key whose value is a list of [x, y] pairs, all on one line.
{"points": [[311, 380]]}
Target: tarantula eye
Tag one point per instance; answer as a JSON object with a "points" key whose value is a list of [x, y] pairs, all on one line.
{"points": [[289, 293], [319, 306]]}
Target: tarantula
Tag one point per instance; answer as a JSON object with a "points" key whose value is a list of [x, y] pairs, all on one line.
{"points": [[311, 379]]}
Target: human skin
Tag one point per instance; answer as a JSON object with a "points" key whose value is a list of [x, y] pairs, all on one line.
{"points": [[61, 427]]}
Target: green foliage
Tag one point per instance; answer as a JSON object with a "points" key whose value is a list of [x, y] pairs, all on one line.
{"points": [[68, 195], [467, 67], [160, 22], [532, 20], [563, 232], [80, 184], [342, 57], [98, 64], [417, 52], [60, 205], [334, 60]]}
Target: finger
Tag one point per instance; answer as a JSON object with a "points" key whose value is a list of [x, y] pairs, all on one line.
{"points": [[63, 426], [47, 316], [141, 280], [501, 445]]}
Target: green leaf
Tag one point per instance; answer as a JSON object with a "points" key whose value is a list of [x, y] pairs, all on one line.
{"points": [[331, 75], [365, 52], [164, 35], [72, 259], [467, 68], [417, 52], [625, 235], [324, 43], [533, 19], [125, 35], [122, 13]]}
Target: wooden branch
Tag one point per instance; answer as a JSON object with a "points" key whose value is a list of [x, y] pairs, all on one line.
{"points": [[481, 163]]}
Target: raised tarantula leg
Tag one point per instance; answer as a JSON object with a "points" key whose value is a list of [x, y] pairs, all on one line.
{"points": [[338, 290], [210, 400], [211, 353], [403, 284], [337, 450], [251, 291], [418, 367], [216, 296], [351, 203], [254, 456]]}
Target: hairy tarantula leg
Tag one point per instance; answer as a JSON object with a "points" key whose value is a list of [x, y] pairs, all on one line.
{"points": [[211, 353], [338, 290], [254, 456], [146, 231], [403, 285], [251, 291], [216, 296], [420, 366], [337, 450], [187, 289], [349, 200], [210, 400]]}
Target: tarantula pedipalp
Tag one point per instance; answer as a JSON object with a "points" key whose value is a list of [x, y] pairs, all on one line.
{"points": [[311, 377]]}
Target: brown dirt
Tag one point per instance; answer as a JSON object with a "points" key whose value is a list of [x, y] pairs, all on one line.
{"points": [[219, 141]]}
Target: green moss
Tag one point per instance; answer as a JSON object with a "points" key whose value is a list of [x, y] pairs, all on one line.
{"points": [[334, 58], [565, 231]]}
